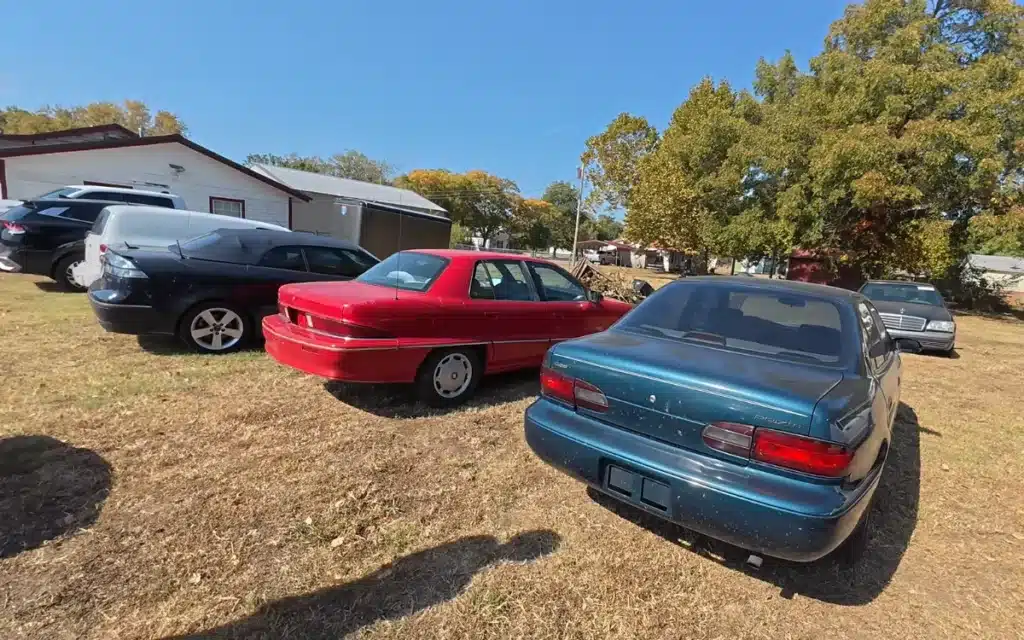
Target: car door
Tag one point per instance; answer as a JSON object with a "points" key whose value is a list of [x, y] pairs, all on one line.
{"points": [[334, 263], [504, 309], [277, 266], [564, 301], [888, 366], [54, 228]]}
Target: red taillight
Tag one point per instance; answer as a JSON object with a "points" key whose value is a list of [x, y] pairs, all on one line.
{"points": [[337, 328], [802, 454], [572, 391], [13, 228], [780, 449], [103, 248]]}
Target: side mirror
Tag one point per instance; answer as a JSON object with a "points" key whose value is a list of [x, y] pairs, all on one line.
{"points": [[906, 345], [594, 296]]}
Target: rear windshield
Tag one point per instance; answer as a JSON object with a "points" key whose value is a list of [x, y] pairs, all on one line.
{"points": [[101, 221], [57, 193], [406, 270], [17, 213], [910, 292], [781, 324]]}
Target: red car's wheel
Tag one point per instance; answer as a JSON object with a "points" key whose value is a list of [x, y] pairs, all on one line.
{"points": [[449, 377]]}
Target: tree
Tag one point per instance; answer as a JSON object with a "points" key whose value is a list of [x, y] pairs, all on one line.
{"points": [[132, 114], [477, 200], [612, 158], [531, 224], [1001, 235], [352, 164], [605, 227], [563, 198]]}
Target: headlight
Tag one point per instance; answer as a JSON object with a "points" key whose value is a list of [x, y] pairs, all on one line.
{"points": [[121, 267], [941, 325]]}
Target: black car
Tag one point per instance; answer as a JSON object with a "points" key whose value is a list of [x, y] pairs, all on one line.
{"points": [[47, 237], [913, 310], [213, 291]]}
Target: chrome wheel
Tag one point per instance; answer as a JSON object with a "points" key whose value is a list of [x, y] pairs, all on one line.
{"points": [[216, 329], [452, 375], [69, 274]]}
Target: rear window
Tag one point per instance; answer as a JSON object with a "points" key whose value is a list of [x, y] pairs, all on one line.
{"points": [[17, 213], [101, 222], [910, 292], [406, 270], [776, 323], [57, 193]]}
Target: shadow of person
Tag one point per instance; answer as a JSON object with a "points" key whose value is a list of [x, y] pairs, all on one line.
{"points": [[47, 489], [397, 401], [396, 590], [829, 579]]}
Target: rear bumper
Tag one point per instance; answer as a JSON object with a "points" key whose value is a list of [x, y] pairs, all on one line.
{"points": [[746, 506], [130, 318], [339, 359], [929, 340], [15, 260]]}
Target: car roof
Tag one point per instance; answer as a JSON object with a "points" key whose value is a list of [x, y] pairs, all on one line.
{"points": [[471, 254], [904, 282], [71, 202], [774, 284], [101, 187], [273, 237]]}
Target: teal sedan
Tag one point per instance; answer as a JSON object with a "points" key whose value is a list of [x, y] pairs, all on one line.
{"points": [[758, 412]]}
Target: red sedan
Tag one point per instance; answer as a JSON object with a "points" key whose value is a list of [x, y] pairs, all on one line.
{"points": [[437, 318]]}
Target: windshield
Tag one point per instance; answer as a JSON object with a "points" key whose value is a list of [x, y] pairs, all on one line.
{"points": [[771, 322], [406, 270], [909, 292], [59, 193]]}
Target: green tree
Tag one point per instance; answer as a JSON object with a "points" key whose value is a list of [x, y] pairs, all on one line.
{"points": [[132, 114], [563, 197], [1000, 235], [477, 200], [353, 165], [604, 227], [531, 224], [612, 158]]}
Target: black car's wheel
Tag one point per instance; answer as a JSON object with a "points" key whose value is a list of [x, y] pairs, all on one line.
{"points": [[62, 272], [214, 327], [449, 377]]}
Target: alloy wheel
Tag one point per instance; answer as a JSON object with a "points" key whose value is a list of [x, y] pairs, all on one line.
{"points": [[216, 329], [69, 274], [452, 375]]}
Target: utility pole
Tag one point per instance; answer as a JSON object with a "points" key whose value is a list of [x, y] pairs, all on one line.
{"points": [[579, 209]]}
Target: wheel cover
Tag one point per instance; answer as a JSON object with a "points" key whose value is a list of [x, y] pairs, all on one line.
{"points": [[70, 276], [216, 329], [452, 375]]}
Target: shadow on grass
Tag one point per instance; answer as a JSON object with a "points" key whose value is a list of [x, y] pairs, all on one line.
{"points": [[829, 580], [164, 345], [396, 590], [47, 489], [399, 401], [49, 286]]}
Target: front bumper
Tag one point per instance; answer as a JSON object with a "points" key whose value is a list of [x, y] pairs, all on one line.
{"points": [[132, 319], [929, 340], [752, 508]]}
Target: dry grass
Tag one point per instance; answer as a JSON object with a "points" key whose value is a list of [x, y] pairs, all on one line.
{"points": [[147, 494]]}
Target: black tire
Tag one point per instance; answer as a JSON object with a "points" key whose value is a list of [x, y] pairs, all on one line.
{"points": [[62, 273], [227, 326], [446, 365]]}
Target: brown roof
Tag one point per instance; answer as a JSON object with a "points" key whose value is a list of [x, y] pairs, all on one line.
{"points": [[116, 129], [136, 141]]}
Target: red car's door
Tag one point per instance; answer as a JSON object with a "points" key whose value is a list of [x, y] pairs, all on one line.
{"points": [[503, 300], [566, 300]]}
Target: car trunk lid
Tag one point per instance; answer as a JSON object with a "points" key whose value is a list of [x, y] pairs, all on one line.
{"points": [[671, 390]]}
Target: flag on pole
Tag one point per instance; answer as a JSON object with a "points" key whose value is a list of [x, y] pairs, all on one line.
{"points": [[579, 172]]}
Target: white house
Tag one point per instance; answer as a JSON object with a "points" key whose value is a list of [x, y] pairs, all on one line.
{"points": [[111, 155]]}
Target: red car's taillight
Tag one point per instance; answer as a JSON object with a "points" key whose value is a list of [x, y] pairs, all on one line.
{"points": [[798, 453], [338, 328], [103, 249], [13, 228], [571, 391]]}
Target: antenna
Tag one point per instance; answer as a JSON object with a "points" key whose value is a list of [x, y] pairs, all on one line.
{"points": [[400, 216]]}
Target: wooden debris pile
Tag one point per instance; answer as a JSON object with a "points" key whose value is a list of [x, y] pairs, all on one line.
{"points": [[610, 285]]}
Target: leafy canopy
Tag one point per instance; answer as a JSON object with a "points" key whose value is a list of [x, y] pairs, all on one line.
{"points": [[132, 114], [353, 165]]}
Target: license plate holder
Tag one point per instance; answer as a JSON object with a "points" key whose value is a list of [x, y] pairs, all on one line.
{"points": [[638, 488]]}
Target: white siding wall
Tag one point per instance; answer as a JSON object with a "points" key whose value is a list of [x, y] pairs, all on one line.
{"points": [[29, 176]]}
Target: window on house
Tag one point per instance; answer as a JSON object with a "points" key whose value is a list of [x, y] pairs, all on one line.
{"points": [[227, 207]]}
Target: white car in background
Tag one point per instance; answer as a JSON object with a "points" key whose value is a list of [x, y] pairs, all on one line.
{"points": [[110, 194], [149, 228]]}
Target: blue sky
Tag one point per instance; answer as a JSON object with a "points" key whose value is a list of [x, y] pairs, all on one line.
{"points": [[513, 87]]}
